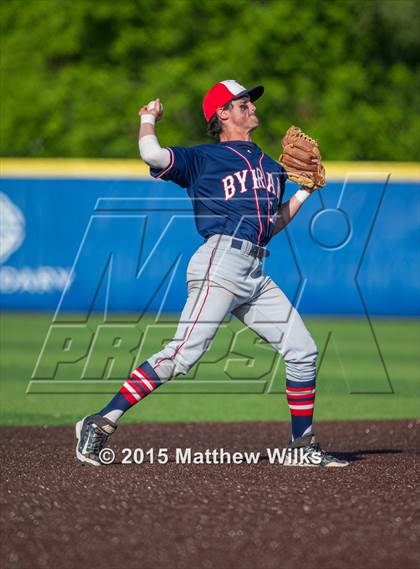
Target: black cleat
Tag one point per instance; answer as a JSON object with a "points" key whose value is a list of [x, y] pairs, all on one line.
{"points": [[305, 451], [92, 433]]}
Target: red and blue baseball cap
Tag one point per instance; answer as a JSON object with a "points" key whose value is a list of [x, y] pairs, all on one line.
{"points": [[224, 92]]}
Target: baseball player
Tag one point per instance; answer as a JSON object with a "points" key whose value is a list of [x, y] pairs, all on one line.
{"points": [[237, 194]]}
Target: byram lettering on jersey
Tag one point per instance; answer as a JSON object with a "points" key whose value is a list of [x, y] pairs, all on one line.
{"points": [[240, 180]]}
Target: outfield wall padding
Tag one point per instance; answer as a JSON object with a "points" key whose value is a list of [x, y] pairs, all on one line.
{"points": [[123, 245]]}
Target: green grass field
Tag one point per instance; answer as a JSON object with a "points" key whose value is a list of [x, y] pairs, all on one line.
{"points": [[355, 380]]}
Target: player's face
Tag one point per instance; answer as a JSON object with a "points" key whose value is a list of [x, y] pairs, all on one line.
{"points": [[242, 114]]}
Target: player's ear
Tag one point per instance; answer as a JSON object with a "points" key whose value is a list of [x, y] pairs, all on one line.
{"points": [[223, 114]]}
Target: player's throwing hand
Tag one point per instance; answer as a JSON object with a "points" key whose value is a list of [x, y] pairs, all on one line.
{"points": [[154, 108]]}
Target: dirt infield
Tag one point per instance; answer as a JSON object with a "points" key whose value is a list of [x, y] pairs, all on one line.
{"points": [[57, 513]]}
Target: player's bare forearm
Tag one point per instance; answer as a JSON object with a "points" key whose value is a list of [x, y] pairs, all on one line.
{"points": [[287, 212]]}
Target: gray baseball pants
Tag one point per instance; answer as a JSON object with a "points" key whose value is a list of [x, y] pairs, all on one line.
{"points": [[223, 280]]}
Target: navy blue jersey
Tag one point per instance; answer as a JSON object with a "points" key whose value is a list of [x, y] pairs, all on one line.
{"points": [[235, 188]]}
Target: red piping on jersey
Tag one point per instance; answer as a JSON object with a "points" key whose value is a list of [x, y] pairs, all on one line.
{"points": [[266, 191], [171, 163], [198, 315], [255, 194]]}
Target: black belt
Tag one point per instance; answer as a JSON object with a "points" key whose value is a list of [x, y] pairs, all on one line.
{"points": [[255, 251]]}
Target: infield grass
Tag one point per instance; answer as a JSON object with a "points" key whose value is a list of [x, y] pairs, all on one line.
{"points": [[362, 375]]}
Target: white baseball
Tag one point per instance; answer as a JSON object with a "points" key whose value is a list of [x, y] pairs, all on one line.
{"points": [[151, 107]]}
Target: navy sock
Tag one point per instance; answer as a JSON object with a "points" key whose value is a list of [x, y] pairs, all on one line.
{"points": [[300, 398], [142, 381]]}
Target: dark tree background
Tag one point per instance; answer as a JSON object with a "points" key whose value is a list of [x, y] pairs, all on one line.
{"points": [[74, 72]]}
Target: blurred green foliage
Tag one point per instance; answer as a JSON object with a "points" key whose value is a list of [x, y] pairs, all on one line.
{"points": [[75, 72]]}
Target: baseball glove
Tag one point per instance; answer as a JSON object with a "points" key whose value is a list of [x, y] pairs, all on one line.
{"points": [[301, 159]]}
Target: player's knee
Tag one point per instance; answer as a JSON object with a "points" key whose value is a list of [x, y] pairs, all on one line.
{"points": [[182, 367], [310, 350], [300, 360], [305, 351], [169, 366], [176, 359]]}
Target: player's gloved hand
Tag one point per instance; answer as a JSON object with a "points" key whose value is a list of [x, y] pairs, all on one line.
{"points": [[154, 108], [302, 160]]}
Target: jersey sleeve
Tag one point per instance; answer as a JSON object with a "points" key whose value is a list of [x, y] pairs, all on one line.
{"points": [[184, 168]]}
